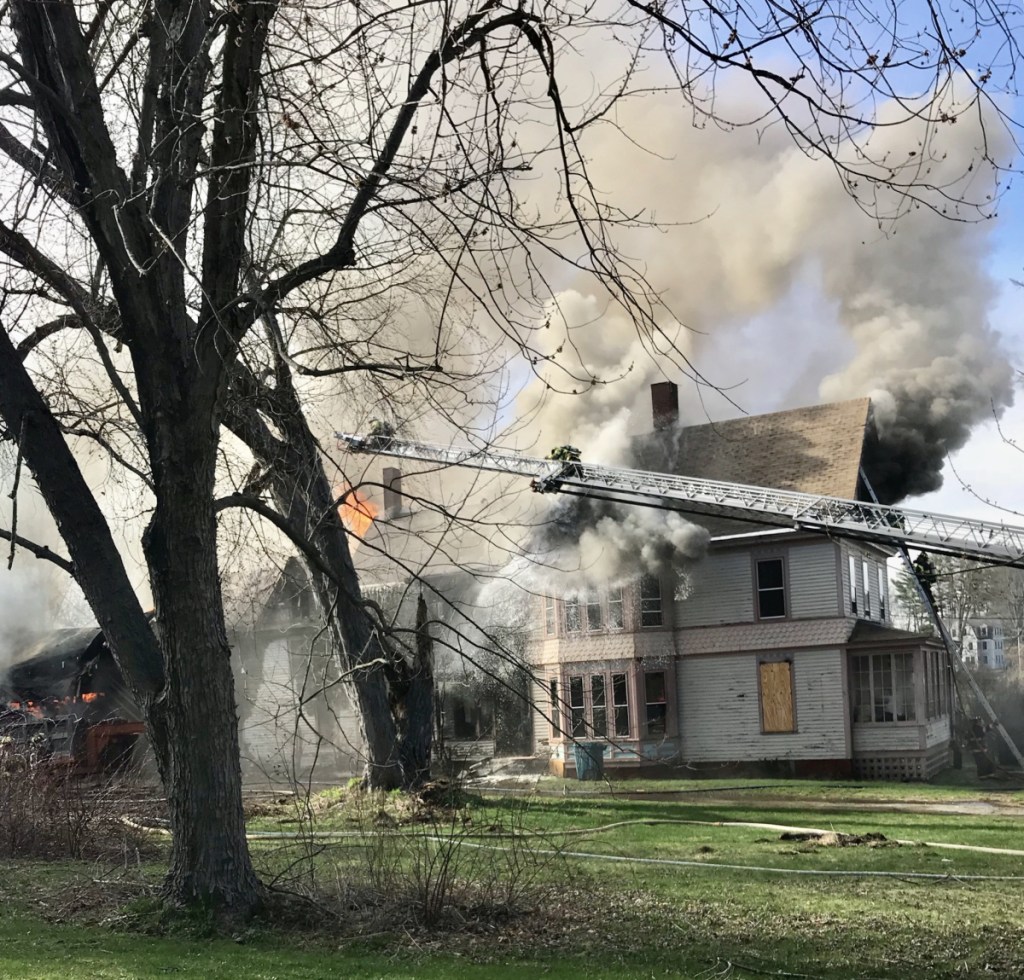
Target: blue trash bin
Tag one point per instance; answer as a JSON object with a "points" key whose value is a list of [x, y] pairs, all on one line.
{"points": [[589, 757]]}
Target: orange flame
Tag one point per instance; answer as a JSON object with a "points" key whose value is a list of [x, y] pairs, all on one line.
{"points": [[356, 510]]}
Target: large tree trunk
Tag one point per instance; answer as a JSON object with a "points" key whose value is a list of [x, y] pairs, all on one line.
{"points": [[195, 717], [417, 732]]}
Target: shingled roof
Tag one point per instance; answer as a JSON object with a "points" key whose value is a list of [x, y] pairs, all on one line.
{"points": [[816, 450]]}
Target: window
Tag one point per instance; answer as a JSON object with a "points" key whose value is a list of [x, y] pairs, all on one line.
{"points": [[573, 616], [616, 620], [556, 709], [657, 703], [620, 704], [550, 621], [775, 682], [883, 588], [593, 611], [577, 708], [598, 705], [866, 574], [853, 585], [883, 687], [771, 588], [588, 704], [650, 601]]}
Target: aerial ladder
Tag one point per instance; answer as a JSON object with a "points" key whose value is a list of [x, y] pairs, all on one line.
{"points": [[899, 527]]}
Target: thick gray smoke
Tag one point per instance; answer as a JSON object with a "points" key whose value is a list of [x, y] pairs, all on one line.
{"points": [[588, 542], [783, 292]]}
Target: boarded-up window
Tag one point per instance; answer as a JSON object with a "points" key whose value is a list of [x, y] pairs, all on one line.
{"points": [[777, 697]]}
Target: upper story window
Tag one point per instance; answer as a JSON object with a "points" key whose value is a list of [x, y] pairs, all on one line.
{"points": [[650, 601], [866, 577], [771, 588], [550, 618], [616, 619], [573, 615], [853, 585], [883, 589], [594, 621]]}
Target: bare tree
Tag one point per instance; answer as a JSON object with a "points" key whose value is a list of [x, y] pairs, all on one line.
{"points": [[191, 170]]}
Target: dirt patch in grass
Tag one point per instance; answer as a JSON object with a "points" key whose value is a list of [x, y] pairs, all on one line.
{"points": [[835, 839]]}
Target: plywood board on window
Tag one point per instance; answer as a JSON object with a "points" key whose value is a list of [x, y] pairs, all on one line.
{"points": [[777, 696]]}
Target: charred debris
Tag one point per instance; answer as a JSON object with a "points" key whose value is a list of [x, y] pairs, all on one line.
{"points": [[63, 699]]}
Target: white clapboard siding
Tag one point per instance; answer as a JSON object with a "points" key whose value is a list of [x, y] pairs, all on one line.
{"points": [[721, 591], [886, 738], [813, 584], [721, 717], [937, 731]]}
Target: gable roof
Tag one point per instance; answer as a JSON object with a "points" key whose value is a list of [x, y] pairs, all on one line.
{"points": [[817, 449]]}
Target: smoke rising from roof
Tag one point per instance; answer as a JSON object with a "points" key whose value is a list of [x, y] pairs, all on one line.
{"points": [[753, 232]]}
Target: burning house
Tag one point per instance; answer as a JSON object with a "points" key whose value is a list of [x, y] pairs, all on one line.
{"points": [[774, 652], [64, 698], [711, 644]]}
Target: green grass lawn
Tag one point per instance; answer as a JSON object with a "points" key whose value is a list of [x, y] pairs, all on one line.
{"points": [[583, 916]]}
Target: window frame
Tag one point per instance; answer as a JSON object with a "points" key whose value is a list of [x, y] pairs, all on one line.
{"points": [[620, 603], [573, 614], [598, 692], [617, 705], [760, 560], [665, 703], [876, 698], [883, 590], [865, 568], [646, 599], [550, 616], [591, 603], [556, 708], [852, 569]]}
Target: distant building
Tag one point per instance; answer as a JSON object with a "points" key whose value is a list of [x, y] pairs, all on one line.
{"points": [[981, 643]]}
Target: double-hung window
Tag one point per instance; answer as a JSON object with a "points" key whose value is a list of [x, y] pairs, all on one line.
{"points": [[771, 588], [594, 622], [656, 699], [620, 704], [616, 619], [650, 601], [573, 615], [550, 616]]}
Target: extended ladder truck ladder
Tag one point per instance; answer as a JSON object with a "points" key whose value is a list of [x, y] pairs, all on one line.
{"points": [[902, 528], [998, 544]]}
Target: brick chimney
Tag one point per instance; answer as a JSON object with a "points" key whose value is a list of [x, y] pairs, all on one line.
{"points": [[392, 491], [664, 404]]}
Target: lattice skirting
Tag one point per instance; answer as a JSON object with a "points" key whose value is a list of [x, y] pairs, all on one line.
{"points": [[902, 766]]}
